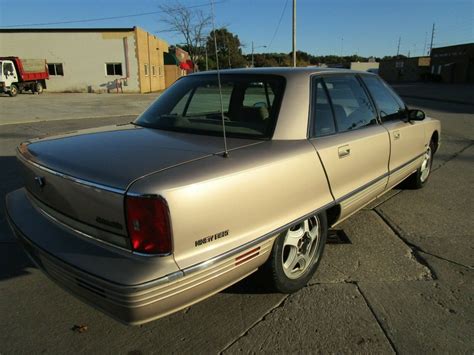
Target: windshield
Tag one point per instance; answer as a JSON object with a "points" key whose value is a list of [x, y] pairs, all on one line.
{"points": [[192, 104]]}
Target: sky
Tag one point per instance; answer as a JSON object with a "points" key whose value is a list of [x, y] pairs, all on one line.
{"points": [[363, 27]]}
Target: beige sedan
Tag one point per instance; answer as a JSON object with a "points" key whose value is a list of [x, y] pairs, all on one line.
{"points": [[144, 219]]}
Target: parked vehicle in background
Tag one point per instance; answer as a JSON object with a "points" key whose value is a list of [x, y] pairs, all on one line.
{"points": [[147, 218], [18, 75]]}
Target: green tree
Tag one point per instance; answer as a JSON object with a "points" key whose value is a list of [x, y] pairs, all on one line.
{"points": [[228, 49]]}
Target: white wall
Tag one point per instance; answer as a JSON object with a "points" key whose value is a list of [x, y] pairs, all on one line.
{"points": [[83, 55]]}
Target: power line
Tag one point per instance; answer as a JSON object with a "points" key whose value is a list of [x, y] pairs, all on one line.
{"points": [[278, 25], [102, 18]]}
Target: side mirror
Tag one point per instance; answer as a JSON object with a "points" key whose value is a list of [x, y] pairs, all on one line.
{"points": [[416, 115]]}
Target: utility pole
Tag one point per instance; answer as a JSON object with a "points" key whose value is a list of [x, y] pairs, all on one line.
{"points": [[207, 60], [294, 33], [432, 37], [398, 47], [252, 56], [228, 51], [424, 46]]}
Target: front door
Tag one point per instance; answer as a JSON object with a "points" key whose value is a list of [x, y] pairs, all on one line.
{"points": [[352, 146], [9, 73], [406, 138]]}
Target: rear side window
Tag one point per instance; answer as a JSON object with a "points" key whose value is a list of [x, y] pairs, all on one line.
{"points": [[387, 104], [323, 119], [352, 106]]}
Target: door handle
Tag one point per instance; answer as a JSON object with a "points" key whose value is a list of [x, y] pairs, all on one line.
{"points": [[396, 135], [344, 151]]}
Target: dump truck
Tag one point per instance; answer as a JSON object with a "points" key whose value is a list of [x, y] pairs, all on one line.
{"points": [[19, 75]]}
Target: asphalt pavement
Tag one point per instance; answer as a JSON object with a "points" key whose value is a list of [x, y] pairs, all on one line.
{"points": [[403, 282]]}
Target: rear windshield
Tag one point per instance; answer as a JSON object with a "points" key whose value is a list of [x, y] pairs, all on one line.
{"points": [[251, 104]]}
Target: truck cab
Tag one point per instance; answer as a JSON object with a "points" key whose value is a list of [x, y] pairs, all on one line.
{"points": [[8, 75], [17, 75]]}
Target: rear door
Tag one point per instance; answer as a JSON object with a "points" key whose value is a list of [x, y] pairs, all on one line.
{"points": [[406, 138], [352, 146]]}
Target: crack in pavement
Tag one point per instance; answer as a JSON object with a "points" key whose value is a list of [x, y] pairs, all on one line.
{"points": [[379, 322], [414, 248], [399, 232], [261, 319], [455, 155]]}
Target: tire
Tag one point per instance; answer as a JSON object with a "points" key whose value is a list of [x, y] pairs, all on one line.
{"points": [[296, 255], [13, 90], [420, 177], [38, 88]]}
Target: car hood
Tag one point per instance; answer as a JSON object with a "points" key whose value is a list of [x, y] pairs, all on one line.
{"points": [[116, 156]]}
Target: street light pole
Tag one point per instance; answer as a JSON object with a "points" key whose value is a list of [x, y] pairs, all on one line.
{"points": [[294, 33], [252, 55]]}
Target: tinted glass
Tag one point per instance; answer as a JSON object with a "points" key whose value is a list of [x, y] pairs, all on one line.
{"points": [[118, 69], [259, 94], [388, 106], [110, 69], [7, 68], [323, 120], [351, 104], [193, 105], [59, 69]]}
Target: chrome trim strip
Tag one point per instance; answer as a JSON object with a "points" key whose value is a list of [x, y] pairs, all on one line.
{"points": [[263, 238], [72, 178], [239, 249], [360, 189], [407, 163], [68, 227], [143, 286], [205, 264]]}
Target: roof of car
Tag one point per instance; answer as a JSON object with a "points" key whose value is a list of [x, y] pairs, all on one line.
{"points": [[286, 71]]}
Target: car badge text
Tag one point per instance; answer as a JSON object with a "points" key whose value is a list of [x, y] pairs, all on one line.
{"points": [[211, 238]]}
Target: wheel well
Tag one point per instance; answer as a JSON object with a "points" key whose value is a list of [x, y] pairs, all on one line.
{"points": [[435, 140], [333, 214]]}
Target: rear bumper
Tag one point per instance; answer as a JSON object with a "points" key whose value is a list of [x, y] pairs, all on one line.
{"points": [[129, 303]]}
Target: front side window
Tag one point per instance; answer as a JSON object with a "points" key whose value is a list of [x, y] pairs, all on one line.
{"points": [[388, 106], [8, 69], [113, 68], [193, 104], [55, 69], [352, 106], [322, 116]]}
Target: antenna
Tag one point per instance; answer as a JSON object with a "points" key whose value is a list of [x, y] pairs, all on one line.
{"points": [[226, 152]]}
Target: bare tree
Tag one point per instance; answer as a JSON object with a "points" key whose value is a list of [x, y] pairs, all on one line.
{"points": [[190, 23]]}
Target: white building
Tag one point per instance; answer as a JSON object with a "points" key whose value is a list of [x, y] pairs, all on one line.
{"points": [[92, 59]]}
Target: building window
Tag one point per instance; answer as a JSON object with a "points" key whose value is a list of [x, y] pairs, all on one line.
{"points": [[160, 70], [153, 70], [146, 69], [55, 69], [113, 68]]}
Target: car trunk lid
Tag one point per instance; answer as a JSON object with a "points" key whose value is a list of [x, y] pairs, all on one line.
{"points": [[80, 178]]}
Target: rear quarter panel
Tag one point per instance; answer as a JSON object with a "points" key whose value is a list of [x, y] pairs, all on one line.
{"points": [[252, 193]]}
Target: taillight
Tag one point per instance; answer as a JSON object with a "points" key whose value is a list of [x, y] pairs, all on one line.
{"points": [[148, 224]]}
